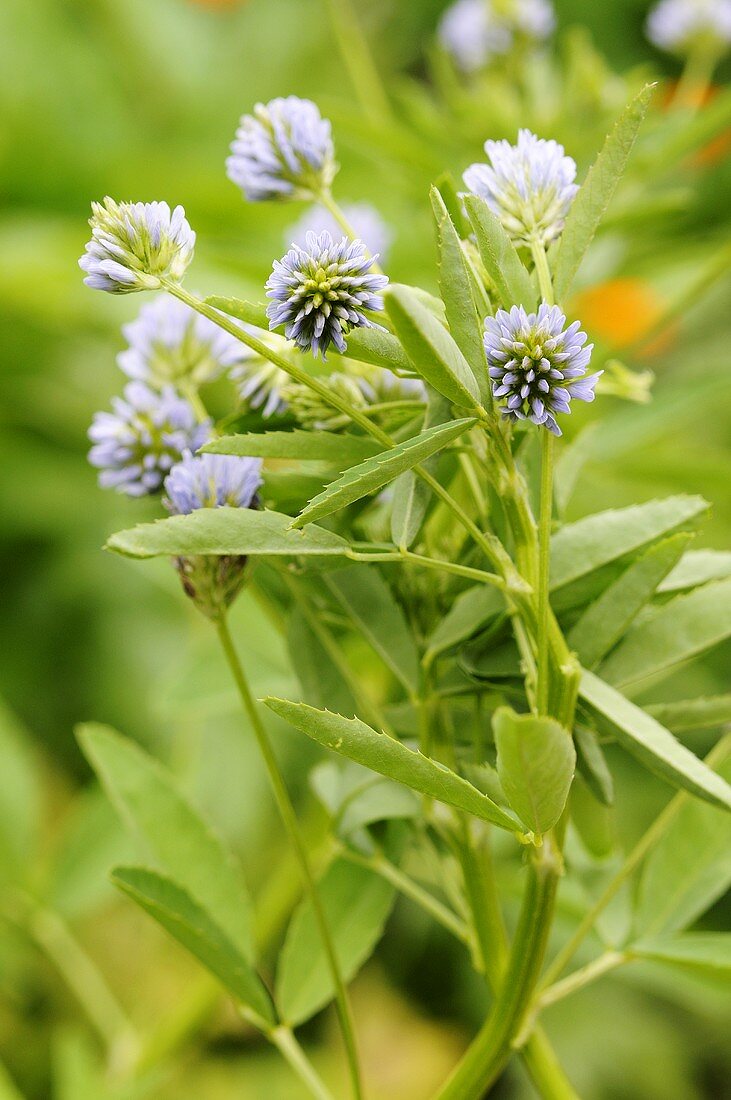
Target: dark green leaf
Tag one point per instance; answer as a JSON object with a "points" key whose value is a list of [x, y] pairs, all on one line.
{"points": [[364, 594], [374, 473], [224, 531], [470, 611], [356, 902], [188, 923], [535, 764], [502, 263], [681, 629], [432, 352], [146, 797], [357, 741], [606, 620], [590, 204], [592, 765], [651, 743], [411, 494]]}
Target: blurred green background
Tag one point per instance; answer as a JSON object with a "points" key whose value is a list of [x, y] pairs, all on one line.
{"points": [[139, 100]]}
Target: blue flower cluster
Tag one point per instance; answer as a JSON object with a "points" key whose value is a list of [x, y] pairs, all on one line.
{"points": [[135, 244], [212, 481]]}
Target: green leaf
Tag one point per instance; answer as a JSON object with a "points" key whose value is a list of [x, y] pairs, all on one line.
{"points": [[411, 494], [697, 567], [356, 903], [8, 1091], [582, 548], [681, 629], [502, 263], [432, 352], [374, 473], [253, 313], [224, 531], [457, 287], [354, 796], [698, 950], [651, 743], [590, 762], [592, 200], [693, 714], [357, 741], [183, 844], [470, 611], [688, 870], [535, 763], [592, 819], [364, 594], [378, 348], [332, 447], [192, 926], [607, 619], [319, 677]]}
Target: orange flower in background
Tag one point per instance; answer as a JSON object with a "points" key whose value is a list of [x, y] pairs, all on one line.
{"points": [[621, 312], [698, 98]]}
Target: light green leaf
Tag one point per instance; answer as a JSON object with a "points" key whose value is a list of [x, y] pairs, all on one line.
{"points": [[79, 1072], [354, 796], [684, 628], [318, 674], [502, 263], [366, 597], [688, 870], [582, 548], [699, 950], [593, 820], [356, 903], [456, 284], [432, 352], [224, 531], [569, 465], [607, 619], [8, 1091], [357, 741], [693, 714], [374, 473], [411, 494], [192, 926], [592, 200], [470, 611], [651, 743], [20, 798], [535, 763], [332, 447], [592, 765], [697, 567], [252, 313], [184, 845]]}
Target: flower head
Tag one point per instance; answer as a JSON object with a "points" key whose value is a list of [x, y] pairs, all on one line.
{"points": [[313, 412], [536, 365], [283, 151], [364, 218], [260, 385], [476, 31], [137, 443], [211, 481], [135, 244], [170, 342], [682, 25], [320, 292], [529, 186]]}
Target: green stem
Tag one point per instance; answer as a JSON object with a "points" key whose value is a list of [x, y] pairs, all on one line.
{"points": [[292, 1052], [88, 985], [597, 968], [491, 1049], [545, 283], [327, 200], [358, 60], [695, 79], [544, 561], [644, 845], [289, 817]]}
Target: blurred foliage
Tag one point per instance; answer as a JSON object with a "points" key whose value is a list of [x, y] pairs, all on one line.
{"points": [[140, 99]]}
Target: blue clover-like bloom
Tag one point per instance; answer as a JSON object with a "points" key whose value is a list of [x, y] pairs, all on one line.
{"points": [[135, 244], [476, 31], [682, 25], [367, 224], [284, 150], [537, 365], [260, 385], [320, 292], [211, 481], [147, 432], [529, 186], [170, 343]]}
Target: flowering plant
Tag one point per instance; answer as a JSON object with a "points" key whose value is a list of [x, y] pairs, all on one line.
{"points": [[420, 509]]}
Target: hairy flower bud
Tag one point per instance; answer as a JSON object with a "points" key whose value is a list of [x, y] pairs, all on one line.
{"points": [[684, 25], [135, 244]]}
